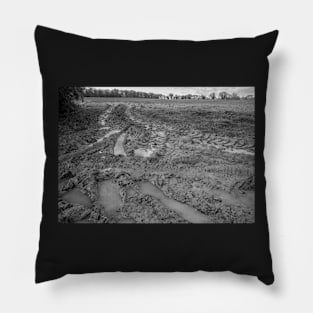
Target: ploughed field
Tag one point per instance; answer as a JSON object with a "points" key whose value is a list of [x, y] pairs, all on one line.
{"points": [[157, 161]]}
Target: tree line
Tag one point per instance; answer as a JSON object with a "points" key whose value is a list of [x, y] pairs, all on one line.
{"points": [[112, 93]]}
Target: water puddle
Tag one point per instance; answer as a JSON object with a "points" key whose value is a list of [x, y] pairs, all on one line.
{"points": [[100, 139], [119, 147], [75, 196], [184, 210], [145, 153], [112, 132], [109, 196]]}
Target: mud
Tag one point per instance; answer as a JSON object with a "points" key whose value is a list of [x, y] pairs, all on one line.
{"points": [[198, 155]]}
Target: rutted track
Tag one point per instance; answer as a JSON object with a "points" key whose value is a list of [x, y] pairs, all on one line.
{"points": [[209, 169]]}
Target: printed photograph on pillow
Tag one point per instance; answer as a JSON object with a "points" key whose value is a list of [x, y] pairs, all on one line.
{"points": [[156, 155]]}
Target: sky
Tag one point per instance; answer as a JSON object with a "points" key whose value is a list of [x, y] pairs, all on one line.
{"points": [[241, 91]]}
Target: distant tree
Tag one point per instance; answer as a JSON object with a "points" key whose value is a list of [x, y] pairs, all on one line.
{"points": [[212, 96], [223, 95], [235, 96]]}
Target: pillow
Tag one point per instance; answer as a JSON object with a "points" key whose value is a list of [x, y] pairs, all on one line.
{"points": [[154, 155]]}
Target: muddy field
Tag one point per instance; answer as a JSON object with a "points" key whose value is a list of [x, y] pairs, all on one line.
{"points": [[157, 161]]}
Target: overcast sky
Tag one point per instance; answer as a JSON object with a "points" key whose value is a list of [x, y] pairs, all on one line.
{"points": [[241, 91]]}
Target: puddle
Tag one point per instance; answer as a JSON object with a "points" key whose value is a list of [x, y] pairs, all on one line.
{"points": [[100, 139], [112, 132], [149, 189], [119, 148], [146, 153], [75, 196], [184, 210], [109, 196]]}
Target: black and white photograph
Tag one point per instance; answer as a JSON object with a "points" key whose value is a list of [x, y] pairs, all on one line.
{"points": [[156, 155]]}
